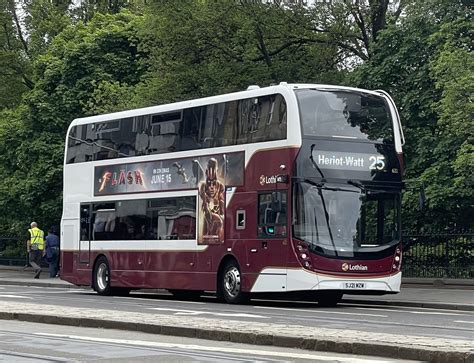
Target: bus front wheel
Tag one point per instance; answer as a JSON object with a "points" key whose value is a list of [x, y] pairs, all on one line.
{"points": [[231, 284], [101, 277]]}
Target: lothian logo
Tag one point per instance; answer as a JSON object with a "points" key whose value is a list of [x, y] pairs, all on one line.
{"points": [[347, 267], [274, 179]]}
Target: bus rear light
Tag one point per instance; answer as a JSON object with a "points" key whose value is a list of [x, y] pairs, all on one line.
{"points": [[307, 264], [397, 260], [304, 256]]}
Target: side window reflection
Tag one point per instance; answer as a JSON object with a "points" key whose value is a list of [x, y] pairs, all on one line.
{"points": [[251, 120], [145, 219]]}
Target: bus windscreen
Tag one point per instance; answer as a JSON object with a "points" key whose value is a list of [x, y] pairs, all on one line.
{"points": [[342, 219], [345, 115]]}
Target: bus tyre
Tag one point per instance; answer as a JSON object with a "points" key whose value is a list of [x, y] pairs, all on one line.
{"points": [[231, 284], [329, 298], [101, 277]]}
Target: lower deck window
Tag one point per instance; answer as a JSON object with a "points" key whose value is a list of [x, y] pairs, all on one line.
{"points": [[144, 219], [272, 214]]}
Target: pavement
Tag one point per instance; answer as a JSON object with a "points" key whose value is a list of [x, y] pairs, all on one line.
{"points": [[436, 294]]}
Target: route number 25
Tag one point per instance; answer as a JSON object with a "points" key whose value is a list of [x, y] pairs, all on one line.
{"points": [[377, 162]]}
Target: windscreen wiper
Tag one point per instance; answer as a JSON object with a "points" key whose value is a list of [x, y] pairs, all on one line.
{"points": [[321, 186], [326, 216], [315, 165]]}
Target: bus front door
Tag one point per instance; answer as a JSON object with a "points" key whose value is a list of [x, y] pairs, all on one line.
{"points": [[84, 240]]}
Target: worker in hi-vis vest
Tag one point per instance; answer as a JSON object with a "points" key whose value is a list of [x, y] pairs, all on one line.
{"points": [[35, 246]]}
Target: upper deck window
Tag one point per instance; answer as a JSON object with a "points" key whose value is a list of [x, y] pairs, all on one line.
{"points": [[244, 121], [345, 115]]}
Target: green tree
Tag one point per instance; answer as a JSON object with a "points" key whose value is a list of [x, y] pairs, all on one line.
{"points": [[197, 49], [87, 68], [352, 26], [410, 60], [15, 65], [43, 21], [451, 179]]}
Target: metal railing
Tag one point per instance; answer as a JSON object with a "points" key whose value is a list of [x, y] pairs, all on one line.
{"points": [[12, 251], [444, 254]]}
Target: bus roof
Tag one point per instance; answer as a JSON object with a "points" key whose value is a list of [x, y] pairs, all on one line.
{"points": [[252, 91]]}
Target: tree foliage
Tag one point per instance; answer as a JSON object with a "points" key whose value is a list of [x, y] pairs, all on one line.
{"points": [[197, 48], [425, 62], [88, 68], [63, 59]]}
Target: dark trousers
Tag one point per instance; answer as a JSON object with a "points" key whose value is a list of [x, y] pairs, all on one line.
{"points": [[54, 262], [35, 261]]}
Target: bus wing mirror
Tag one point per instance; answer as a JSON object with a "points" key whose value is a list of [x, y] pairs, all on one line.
{"points": [[417, 185]]}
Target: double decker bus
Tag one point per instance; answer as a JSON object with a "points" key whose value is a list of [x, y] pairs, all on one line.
{"points": [[292, 188]]}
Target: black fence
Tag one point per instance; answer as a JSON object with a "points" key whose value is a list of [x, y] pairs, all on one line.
{"points": [[425, 255], [12, 251], [445, 254]]}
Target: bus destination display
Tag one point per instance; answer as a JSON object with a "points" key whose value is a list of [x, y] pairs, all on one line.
{"points": [[349, 161]]}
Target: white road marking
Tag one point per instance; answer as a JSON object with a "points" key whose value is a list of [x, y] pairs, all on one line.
{"points": [[194, 312], [52, 292], [16, 296], [431, 313], [149, 344], [404, 311], [464, 322], [317, 311], [190, 302], [136, 297]]}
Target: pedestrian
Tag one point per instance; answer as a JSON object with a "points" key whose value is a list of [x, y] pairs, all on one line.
{"points": [[35, 245], [52, 251]]}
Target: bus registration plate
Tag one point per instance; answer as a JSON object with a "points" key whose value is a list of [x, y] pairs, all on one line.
{"points": [[354, 285]]}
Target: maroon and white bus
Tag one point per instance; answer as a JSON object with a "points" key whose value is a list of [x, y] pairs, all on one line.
{"points": [[289, 188]]}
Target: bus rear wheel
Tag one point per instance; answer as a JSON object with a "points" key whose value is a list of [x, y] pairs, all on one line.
{"points": [[101, 277], [329, 298], [230, 285]]}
